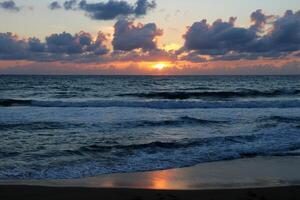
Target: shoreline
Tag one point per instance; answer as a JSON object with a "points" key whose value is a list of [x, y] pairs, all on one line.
{"points": [[260, 178], [254, 172]]}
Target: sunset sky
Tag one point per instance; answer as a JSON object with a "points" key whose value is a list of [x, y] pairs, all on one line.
{"points": [[159, 37]]}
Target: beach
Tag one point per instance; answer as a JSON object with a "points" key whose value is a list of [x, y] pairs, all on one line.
{"points": [[189, 137], [250, 178]]}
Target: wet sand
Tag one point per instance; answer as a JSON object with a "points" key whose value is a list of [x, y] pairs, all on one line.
{"points": [[51, 193], [252, 178]]}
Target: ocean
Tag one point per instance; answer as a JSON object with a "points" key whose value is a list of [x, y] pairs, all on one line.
{"points": [[64, 127]]}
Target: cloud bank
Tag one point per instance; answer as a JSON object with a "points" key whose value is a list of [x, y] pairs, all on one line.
{"points": [[268, 37], [57, 47]]}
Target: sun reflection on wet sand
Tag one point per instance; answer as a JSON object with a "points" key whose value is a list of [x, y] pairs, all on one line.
{"points": [[160, 180]]}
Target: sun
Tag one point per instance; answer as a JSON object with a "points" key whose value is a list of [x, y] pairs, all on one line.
{"points": [[160, 66]]}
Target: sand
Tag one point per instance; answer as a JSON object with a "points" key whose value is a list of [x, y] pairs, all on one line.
{"points": [[251, 178]]}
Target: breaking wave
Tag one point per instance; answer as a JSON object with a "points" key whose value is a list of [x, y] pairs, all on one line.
{"points": [[156, 104], [213, 94]]}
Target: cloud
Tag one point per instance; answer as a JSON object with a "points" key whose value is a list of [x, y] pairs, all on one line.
{"points": [[218, 38], [259, 20], [131, 42], [70, 5], [67, 5], [285, 34], [54, 5], [57, 47], [9, 5], [11, 47], [128, 36], [112, 9], [35, 45], [141, 56], [223, 40]]}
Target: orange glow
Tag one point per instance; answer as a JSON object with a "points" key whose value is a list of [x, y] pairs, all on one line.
{"points": [[160, 65], [161, 181]]}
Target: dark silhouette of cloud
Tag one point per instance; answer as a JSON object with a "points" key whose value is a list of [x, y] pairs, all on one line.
{"points": [[9, 5], [128, 36], [223, 40], [62, 46], [11, 47], [114, 9], [35, 45], [79, 43], [218, 38], [67, 5], [259, 20], [109, 10], [70, 5], [54, 5]]}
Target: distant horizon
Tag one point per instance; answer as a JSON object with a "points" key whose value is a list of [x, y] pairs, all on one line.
{"points": [[149, 75]]}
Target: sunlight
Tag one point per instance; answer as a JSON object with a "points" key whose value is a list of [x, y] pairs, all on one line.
{"points": [[171, 47], [160, 66]]}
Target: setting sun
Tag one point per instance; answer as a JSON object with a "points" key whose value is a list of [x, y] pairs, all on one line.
{"points": [[160, 66]]}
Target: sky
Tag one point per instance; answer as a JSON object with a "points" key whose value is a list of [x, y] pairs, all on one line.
{"points": [[155, 37]]}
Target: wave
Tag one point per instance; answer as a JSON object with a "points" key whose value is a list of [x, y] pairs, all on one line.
{"points": [[38, 126], [185, 120], [156, 104], [48, 125], [158, 146], [274, 121], [281, 119], [94, 159], [14, 102], [213, 94]]}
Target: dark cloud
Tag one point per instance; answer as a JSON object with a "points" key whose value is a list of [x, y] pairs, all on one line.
{"points": [[70, 5], [259, 20], [80, 43], [9, 5], [57, 47], [131, 42], [223, 40], [35, 45], [109, 10], [67, 5], [218, 38], [285, 33], [11, 47], [114, 9], [54, 5], [129, 36], [142, 7]]}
